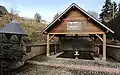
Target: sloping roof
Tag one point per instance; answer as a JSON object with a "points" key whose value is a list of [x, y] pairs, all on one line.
{"points": [[12, 28], [3, 9], [75, 5]]}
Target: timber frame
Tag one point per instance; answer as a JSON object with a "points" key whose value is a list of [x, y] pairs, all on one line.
{"points": [[100, 30], [103, 39]]}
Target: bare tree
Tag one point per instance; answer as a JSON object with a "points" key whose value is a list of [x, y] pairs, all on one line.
{"points": [[37, 17], [93, 13], [14, 10]]}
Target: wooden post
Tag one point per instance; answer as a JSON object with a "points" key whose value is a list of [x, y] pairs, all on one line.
{"points": [[48, 45], [98, 49], [55, 46], [104, 47]]}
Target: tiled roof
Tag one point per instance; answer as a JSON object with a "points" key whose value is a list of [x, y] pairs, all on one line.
{"points": [[12, 28]]}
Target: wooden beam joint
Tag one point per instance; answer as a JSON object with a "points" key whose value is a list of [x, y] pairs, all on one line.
{"points": [[51, 37], [99, 37]]}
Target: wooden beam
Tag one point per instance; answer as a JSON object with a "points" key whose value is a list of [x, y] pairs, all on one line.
{"points": [[107, 31], [48, 45], [60, 46], [89, 18], [45, 32], [80, 33], [98, 50], [104, 47], [99, 37], [59, 19], [79, 19], [73, 7], [114, 46], [51, 37]]}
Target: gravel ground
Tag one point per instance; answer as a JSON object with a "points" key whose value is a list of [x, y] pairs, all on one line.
{"points": [[76, 62], [30, 69], [47, 70]]}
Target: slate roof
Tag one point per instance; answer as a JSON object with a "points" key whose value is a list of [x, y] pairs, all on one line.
{"points": [[75, 5], [12, 28]]}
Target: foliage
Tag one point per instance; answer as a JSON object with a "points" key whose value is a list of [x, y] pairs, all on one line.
{"points": [[56, 15], [119, 8], [37, 37], [10, 52], [14, 10], [37, 17], [30, 26], [114, 24], [115, 10], [26, 40], [107, 11], [33, 31]]}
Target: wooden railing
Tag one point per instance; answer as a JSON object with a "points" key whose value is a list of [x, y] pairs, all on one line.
{"points": [[113, 46]]}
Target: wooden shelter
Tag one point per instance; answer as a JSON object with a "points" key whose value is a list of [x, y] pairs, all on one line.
{"points": [[75, 21]]}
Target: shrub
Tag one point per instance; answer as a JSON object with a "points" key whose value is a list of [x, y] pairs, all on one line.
{"points": [[10, 52]]}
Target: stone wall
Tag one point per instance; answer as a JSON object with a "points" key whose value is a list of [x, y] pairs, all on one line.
{"points": [[114, 53], [35, 50]]}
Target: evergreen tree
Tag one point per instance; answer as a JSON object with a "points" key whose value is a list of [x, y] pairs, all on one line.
{"points": [[56, 15], [119, 8], [114, 9], [10, 53], [109, 11], [37, 17]]}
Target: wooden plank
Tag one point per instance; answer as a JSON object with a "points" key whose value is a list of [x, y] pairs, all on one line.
{"points": [[48, 45], [99, 37], [80, 33], [104, 47], [41, 44], [79, 19], [76, 16], [51, 37]]}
